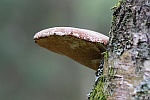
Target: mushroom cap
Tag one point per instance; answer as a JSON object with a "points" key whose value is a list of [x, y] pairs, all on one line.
{"points": [[81, 45]]}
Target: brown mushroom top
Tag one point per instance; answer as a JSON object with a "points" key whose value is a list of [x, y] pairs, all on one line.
{"points": [[81, 45]]}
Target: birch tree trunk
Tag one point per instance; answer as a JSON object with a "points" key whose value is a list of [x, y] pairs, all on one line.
{"points": [[126, 74]]}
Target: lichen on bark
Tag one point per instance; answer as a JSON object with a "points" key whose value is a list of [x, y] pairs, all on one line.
{"points": [[129, 52]]}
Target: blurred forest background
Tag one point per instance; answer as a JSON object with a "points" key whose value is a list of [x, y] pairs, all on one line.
{"points": [[29, 72]]}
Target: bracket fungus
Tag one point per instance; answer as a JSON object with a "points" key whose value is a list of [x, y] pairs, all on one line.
{"points": [[81, 45]]}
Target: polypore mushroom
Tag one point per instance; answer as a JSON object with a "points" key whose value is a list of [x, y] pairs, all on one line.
{"points": [[81, 45]]}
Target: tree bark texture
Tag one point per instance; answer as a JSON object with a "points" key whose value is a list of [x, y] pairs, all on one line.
{"points": [[127, 68]]}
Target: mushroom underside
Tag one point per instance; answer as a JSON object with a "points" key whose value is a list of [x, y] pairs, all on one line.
{"points": [[84, 52]]}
